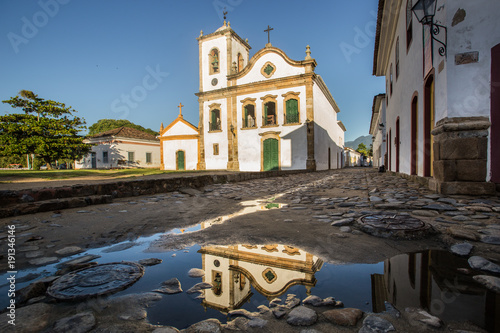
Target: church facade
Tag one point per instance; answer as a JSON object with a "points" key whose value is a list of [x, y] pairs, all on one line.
{"points": [[267, 112]]}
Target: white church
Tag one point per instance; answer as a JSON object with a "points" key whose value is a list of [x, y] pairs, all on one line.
{"points": [[265, 113]]}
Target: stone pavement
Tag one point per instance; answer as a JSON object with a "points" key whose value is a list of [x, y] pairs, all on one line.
{"points": [[318, 212]]}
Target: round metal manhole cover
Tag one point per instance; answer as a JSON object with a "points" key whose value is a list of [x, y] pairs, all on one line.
{"points": [[394, 225], [96, 281]]}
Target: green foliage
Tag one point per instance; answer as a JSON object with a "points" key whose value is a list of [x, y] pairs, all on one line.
{"points": [[46, 128], [362, 149], [5, 161], [104, 125]]}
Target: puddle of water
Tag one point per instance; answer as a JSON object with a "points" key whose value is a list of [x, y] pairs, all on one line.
{"points": [[246, 276]]}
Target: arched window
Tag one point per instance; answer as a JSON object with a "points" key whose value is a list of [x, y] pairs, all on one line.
{"points": [[409, 24], [213, 59], [240, 62]]}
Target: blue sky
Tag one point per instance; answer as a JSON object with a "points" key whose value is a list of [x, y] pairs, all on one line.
{"points": [[92, 54]]}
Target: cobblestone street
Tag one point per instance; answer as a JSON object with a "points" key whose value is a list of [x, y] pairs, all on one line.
{"points": [[346, 216]]}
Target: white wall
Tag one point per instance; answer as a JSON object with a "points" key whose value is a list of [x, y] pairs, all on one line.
{"points": [[215, 162], [190, 148], [206, 47], [293, 138], [119, 151], [327, 133], [283, 69]]}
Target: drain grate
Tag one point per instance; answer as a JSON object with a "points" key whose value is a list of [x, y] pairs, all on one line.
{"points": [[96, 281], [394, 225]]}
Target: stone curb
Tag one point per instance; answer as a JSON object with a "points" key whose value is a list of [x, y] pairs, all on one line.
{"points": [[22, 202]]}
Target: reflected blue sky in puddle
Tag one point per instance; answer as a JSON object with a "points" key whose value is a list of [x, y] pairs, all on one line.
{"points": [[246, 276]]}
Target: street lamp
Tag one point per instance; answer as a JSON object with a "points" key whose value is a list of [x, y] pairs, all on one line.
{"points": [[425, 10]]}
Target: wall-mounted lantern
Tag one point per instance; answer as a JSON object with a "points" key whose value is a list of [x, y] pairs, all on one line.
{"points": [[425, 10]]}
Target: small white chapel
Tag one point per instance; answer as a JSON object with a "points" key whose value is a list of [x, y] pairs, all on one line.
{"points": [[267, 112]]}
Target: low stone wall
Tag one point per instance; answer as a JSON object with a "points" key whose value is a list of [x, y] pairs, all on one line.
{"points": [[47, 199]]}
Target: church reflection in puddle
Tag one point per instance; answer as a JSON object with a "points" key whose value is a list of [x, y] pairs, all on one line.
{"points": [[269, 269], [439, 282]]}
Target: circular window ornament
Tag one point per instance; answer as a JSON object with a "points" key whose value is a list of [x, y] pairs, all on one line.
{"points": [[214, 81], [216, 263], [268, 69]]}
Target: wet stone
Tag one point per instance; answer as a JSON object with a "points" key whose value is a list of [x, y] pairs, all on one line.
{"points": [[196, 273], [462, 234], [198, 288], [440, 207], [490, 282], [374, 324], [425, 213], [34, 254], [172, 286], [96, 281], [483, 264], [317, 301], [78, 260], [460, 218], [462, 249], [345, 229], [302, 316], [150, 261], [480, 217], [69, 250], [79, 323], [120, 247], [489, 239], [421, 316], [344, 317], [43, 261], [279, 311], [206, 326], [342, 222], [390, 309]]}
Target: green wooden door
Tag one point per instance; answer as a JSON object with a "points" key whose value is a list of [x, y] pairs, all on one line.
{"points": [[271, 155], [180, 160]]}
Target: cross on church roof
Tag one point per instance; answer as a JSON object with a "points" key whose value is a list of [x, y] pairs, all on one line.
{"points": [[268, 30], [180, 109]]}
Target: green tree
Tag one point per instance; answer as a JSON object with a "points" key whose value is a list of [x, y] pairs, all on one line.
{"points": [[46, 128], [104, 125], [362, 149]]}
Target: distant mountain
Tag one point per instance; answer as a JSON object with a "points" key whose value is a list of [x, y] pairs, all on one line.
{"points": [[367, 140]]}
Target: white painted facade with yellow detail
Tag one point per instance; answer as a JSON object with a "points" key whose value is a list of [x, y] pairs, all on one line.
{"points": [[265, 113]]}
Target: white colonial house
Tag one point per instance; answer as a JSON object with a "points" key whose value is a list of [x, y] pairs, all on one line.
{"points": [[265, 113], [353, 158], [441, 62], [377, 130], [121, 147]]}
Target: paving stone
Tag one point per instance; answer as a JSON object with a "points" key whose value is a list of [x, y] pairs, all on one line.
{"points": [[43, 261], [477, 262], [462, 249], [342, 222], [33, 254], [302, 316], [480, 217], [374, 324], [490, 282], [172, 286], [488, 239], [422, 316], [150, 261], [462, 234], [426, 213], [460, 218], [344, 317], [69, 250], [440, 207], [345, 229], [79, 323], [199, 287], [196, 273]]}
